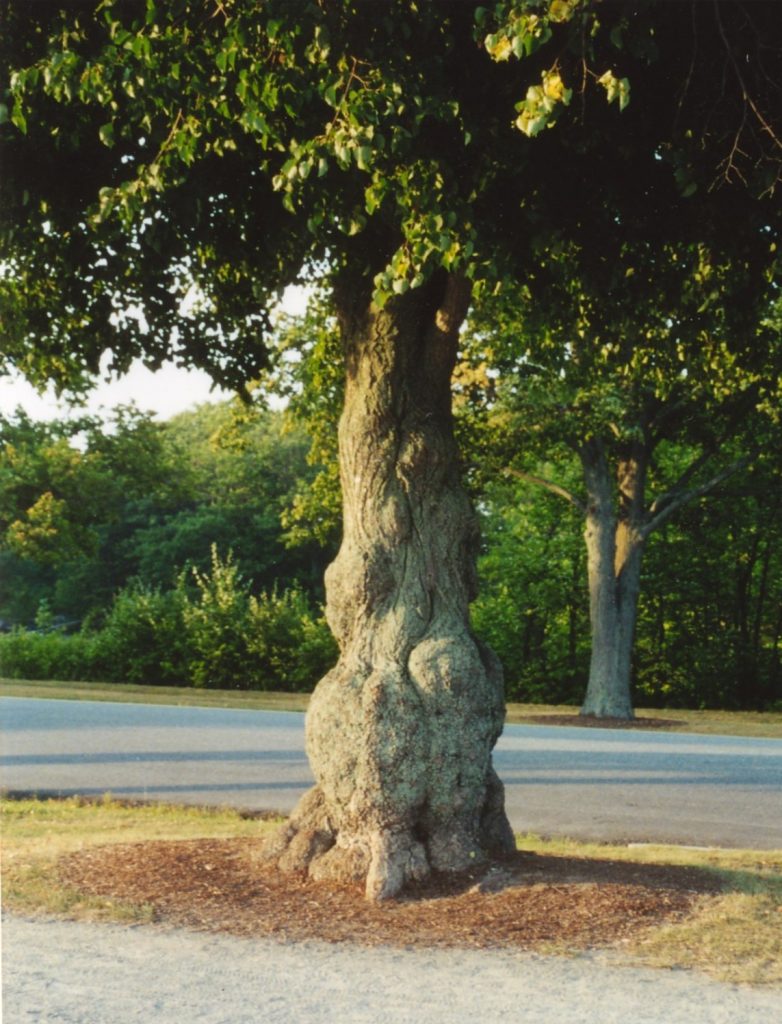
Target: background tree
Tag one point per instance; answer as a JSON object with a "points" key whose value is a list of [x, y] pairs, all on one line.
{"points": [[69, 490], [532, 607], [611, 357], [388, 137], [87, 506], [244, 465]]}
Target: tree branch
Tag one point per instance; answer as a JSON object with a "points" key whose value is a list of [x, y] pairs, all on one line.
{"points": [[548, 485], [661, 502], [677, 498]]}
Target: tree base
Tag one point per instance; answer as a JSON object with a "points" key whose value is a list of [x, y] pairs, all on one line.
{"points": [[617, 710], [385, 860]]}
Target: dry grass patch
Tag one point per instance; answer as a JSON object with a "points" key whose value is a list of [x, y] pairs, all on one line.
{"points": [[736, 937], [758, 724], [138, 693]]}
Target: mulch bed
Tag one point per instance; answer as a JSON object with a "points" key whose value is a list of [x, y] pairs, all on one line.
{"points": [[526, 901]]}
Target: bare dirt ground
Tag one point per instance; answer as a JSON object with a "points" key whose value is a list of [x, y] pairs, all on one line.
{"points": [[526, 902]]}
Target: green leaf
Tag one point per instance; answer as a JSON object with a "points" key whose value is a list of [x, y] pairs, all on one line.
{"points": [[106, 134], [18, 117], [562, 10]]}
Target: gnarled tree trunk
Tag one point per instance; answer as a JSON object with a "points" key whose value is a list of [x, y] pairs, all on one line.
{"points": [[400, 732]]}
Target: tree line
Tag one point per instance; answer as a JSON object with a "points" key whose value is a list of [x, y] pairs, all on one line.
{"points": [[193, 551]]}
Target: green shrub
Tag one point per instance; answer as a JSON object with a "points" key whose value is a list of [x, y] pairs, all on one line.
{"points": [[26, 654], [291, 648], [209, 631], [216, 626], [238, 641], [142, 639]]}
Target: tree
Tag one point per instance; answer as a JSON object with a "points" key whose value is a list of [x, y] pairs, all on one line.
{"points": [[245, 464], [222, 151], [610, 360], [88, 506], [68, 490]]}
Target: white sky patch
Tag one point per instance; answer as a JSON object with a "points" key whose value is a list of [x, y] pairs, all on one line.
{"points": [[164, 393]]}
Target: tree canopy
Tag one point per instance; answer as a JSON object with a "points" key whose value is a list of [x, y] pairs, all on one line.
{"points": [[169, 168]]}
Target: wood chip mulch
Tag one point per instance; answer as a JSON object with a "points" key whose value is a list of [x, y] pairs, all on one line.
{"points": [[524, 902]]}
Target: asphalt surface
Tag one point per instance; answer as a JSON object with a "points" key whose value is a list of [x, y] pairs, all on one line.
{"points": [[614, 785]]}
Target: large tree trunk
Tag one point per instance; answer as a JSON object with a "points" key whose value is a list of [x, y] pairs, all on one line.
{"points": [[400, 733], [614, 552]]}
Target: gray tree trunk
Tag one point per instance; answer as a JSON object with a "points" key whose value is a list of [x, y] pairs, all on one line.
{"points": [[614, 552], [400, 732]]}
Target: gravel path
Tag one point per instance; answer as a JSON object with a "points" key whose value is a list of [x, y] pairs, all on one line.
{"points": [[73, 973]]}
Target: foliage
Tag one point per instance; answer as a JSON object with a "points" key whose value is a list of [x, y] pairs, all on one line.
{"points": [[236, 640], [67, 488], [711, 611], [142, 639], [532, 604], [308, 373], [290, 648], [216, 626], [28, 655], [214, 152], [211, 633], [140, 500]]}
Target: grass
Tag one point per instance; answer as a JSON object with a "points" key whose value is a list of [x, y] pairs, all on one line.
{"points": [[735, 936], [137, 693], [729, 723], [36, 833]]}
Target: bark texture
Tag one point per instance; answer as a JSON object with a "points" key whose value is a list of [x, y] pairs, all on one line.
{"points": [[400, 732], [614, 552]]}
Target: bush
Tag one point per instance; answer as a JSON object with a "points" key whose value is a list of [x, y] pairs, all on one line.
{"points": [[291, 648], [215, 634], [142, 639], [25, 654], [216, 626], [238, 641]]}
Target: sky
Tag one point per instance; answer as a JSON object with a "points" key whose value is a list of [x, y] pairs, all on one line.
{"points": [[165, 393]]}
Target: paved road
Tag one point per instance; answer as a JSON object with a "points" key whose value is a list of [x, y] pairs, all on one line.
{"points": [[586, 783]]}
